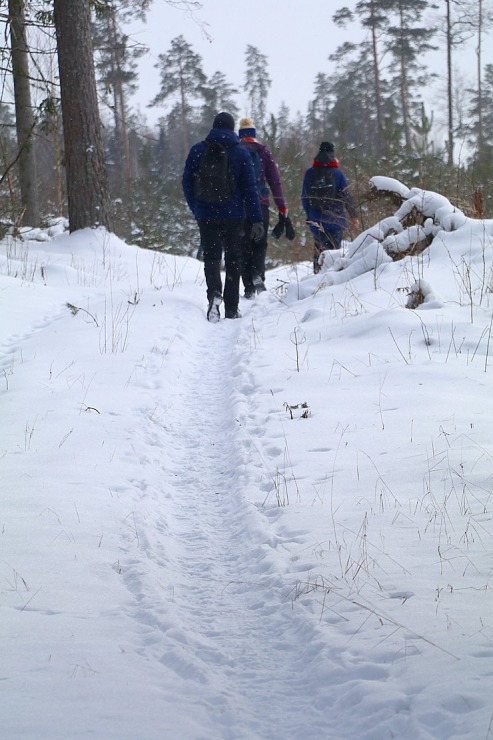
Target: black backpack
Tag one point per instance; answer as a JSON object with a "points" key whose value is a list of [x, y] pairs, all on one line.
{"points": [[321, 190], [214, 179]]}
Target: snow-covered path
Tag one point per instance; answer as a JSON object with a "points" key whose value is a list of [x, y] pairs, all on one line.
{"points": [[267, 529], [224, 611]]}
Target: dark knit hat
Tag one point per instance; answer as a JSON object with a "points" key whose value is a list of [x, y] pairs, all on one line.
{"points": [[224, 120], [326, 153], [247, 129]]}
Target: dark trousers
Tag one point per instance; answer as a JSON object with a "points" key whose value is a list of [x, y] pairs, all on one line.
{"points": [[253, 253], [218, 238], [326, 237]]}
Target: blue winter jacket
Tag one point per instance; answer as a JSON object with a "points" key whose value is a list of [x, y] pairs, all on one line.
{"points": [[245, 195], [343, 202]]}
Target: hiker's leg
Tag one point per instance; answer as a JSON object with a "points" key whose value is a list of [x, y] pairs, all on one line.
{"points": [[247, 257], [260, 247], [333, 237], [317, 247], [232, 231], [327, 237], [211, 242]]}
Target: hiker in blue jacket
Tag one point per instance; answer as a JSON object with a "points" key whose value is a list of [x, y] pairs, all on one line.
{"points": [[326, 212], [220, 224]]}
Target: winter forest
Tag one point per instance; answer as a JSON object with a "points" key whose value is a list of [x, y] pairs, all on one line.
{"points": [[370, 98], [274, 528]]}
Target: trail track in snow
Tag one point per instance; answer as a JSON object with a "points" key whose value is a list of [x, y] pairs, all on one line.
{"points": [[226, 623], [176, 614]]}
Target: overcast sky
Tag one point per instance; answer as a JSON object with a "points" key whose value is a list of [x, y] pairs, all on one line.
{"points": [[297, 38]]}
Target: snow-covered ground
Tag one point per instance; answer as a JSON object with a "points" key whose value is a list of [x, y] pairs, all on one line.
{"points": [[278, 527]]}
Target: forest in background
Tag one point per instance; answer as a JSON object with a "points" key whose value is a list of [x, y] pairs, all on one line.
{"points": [[369, 100]]}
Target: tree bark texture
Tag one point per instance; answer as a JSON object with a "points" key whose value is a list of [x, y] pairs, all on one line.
{"points": [[87, 182], [480, 139], [450, 108], [24, 114]]}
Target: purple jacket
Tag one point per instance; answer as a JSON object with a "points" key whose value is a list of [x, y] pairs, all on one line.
{"points": [[269, 174]]}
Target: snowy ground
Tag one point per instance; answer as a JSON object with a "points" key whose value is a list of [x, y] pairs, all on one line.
{"points": [[272, 528]]}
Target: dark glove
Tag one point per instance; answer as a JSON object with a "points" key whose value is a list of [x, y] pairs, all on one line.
{"points": [[278, 229], [290, 232], [257, 231]]}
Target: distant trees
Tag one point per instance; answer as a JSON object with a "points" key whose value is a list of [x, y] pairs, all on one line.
{"points": [[373, 17], [116, 65], [480, 133], [407, 40], [465, 20], [371, 98], [396, 34]]}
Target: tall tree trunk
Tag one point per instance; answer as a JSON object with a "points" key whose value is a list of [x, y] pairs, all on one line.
{"points": [[24, 115], [378, 86], [57, 151], [480, 143], [184, 121], [404, 91], [125, 141], [87, 181], [120, 103], [450, 142]]}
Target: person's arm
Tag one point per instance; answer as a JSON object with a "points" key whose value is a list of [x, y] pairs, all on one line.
{"points": [[187, 181], [304, 197], [350, 206], [348, 200], [273, 178]]}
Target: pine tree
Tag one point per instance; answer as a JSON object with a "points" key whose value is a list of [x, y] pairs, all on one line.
{"points": [[482, 158], [218, 96], [257, 84], [373, 18], [319, 109], [182, 78], [477, 18], [353, 120], [407, 40]]}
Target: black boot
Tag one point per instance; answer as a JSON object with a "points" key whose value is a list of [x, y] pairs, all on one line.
{"points": [[233, 314], [213, 314], [258, 284]]}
